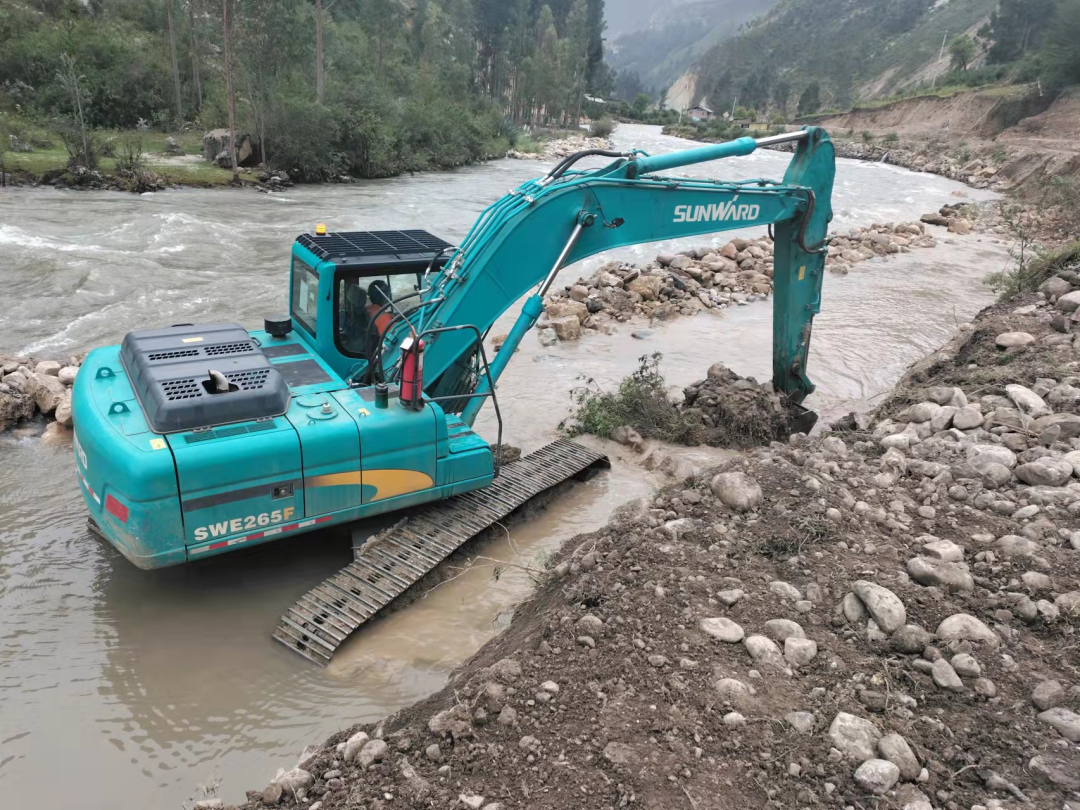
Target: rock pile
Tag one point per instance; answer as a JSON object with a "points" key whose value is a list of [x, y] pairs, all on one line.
{"points": [[959, 218], [29, 387], [562, 147], [880, 239], [702, 278], [686, 283]]}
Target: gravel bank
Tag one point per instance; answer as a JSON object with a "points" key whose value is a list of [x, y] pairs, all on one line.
{"points": [[884, 616]]}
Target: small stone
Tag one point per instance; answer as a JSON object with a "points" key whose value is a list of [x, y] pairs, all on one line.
{"points": [[764, 651], [733, 719], [434, 752], [372, 752], [295, 781], [945, 676], [785, 590], [1060, 768], [884, 605], [961, 626], [271, 795], [802, 722], [896, 750], [799, 651], [354, 744], [508, 716], [910, 639], [948, 576], [737, 491], [966, 666], [723, 629], [1009, 340], [1066, 722], [471, 800], [985, 688], [730, 597], [1048, 695], [783, 629], [945, 550], [877, 776], [855, 737]]}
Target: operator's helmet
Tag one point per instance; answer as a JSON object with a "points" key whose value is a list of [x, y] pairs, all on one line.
{"points": [[379, 293]]}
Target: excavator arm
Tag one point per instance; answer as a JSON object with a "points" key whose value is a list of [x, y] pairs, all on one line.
{"points": [[523, 240]]}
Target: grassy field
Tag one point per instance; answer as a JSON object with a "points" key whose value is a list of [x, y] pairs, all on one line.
{"points": [[51, 156]]}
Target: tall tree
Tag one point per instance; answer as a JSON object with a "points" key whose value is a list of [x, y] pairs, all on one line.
{"points": [[231, 103], [1017, 27], [193, 46], [177, 97], [319, 60]]}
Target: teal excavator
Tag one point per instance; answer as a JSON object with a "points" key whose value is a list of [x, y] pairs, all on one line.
{"points": [[195, 440]]}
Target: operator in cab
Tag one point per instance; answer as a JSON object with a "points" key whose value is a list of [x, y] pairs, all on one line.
{"points": [[378, 296]]}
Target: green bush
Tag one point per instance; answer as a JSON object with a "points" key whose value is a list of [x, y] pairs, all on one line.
{"points": [[892, 138], [602, 128], [640, 402], [867, 136]]}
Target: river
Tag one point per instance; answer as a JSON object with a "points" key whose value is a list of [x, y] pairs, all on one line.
{"points": [[126, 689]]}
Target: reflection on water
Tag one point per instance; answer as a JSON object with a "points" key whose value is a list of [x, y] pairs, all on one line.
{"points": [[155, 682]]}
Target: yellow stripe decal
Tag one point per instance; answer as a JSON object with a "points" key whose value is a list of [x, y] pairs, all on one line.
{"points": [[335, 480], [389, 483]]}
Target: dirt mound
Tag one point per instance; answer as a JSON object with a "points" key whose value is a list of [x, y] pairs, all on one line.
{"points": [[732, 411]]}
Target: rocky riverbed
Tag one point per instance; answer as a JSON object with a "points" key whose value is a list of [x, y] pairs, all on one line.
{"points": [[705, 279], [882, 616], [558, 148], [30, 388]]}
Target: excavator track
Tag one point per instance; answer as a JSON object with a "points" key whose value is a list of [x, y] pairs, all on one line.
{"points": [[324, 617]]}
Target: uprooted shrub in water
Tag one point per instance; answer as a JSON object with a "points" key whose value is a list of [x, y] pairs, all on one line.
{"points": [[640, 402]]}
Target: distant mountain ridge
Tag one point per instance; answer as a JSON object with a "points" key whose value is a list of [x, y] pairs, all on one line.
{"points": [[851, 49], [660, 39]]}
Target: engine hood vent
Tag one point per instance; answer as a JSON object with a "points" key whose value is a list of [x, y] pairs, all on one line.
{"points": [[170, 372]]}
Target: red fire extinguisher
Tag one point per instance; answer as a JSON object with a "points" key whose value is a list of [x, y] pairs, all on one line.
{"points": [[412, 373]]}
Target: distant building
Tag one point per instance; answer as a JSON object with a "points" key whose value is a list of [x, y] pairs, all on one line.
{"points": [[595, 99], [700, 113]]}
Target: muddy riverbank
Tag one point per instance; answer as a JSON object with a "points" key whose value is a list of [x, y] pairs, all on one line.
{"points": [[882, 615], [159, 683]]}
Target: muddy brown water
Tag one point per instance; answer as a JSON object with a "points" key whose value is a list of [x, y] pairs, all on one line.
{"points": [[126, 689]]}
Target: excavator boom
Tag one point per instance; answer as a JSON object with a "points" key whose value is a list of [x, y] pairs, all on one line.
{"points": [[524, 240]]}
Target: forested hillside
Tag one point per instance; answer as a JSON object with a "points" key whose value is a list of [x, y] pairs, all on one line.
{"points": [[653, 56], [366, 87], [806, 55]]}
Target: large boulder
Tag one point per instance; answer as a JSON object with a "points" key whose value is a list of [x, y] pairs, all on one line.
{"points": [[48, 392], [737, 490], [1045, 472], [884, 605], [15, 406], [854, 737], [648, 287], [216, 149], [563, 308]]}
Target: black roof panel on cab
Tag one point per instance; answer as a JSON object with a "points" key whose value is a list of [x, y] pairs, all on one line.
{"points": [[343, 248]]}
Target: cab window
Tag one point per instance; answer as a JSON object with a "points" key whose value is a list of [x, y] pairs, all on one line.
{"points": [[305, 295], [363, 316]]}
